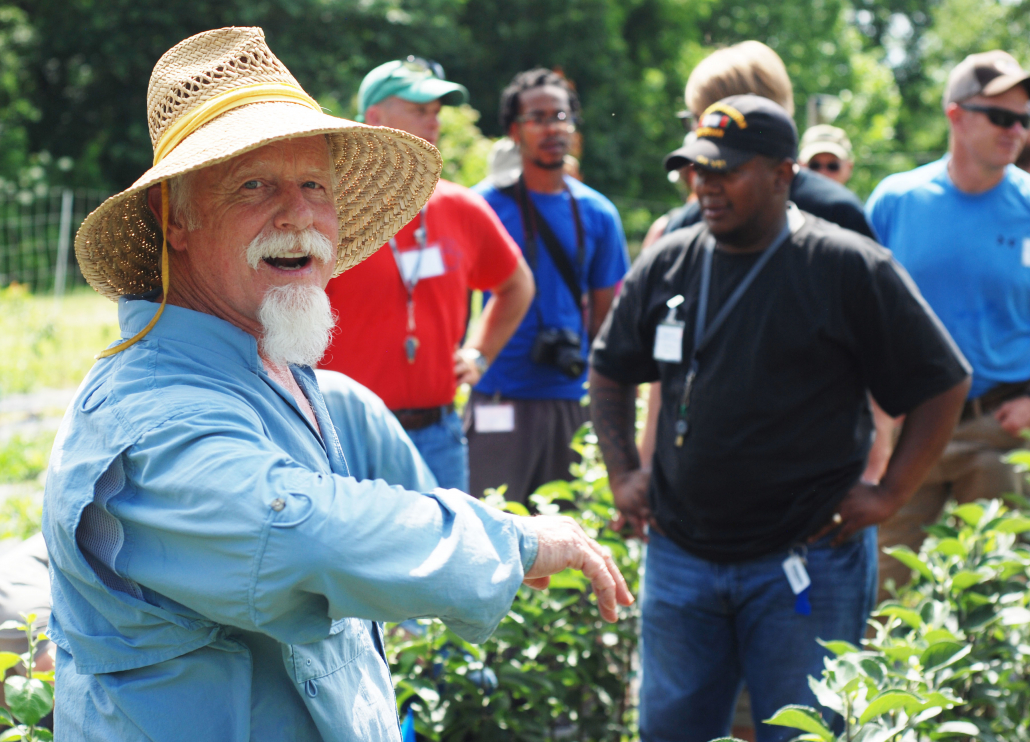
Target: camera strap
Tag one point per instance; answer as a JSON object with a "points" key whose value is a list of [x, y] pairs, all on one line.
{"points": [[534, 225]]}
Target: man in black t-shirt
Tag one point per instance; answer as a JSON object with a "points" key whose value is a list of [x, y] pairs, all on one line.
{"points": [[762, 537]]}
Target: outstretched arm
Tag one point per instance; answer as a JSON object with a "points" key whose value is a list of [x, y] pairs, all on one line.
{"points": [[613, 410], [924, 434]]}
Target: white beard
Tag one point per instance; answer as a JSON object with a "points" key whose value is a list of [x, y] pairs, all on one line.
{"points": [[297, 323]]}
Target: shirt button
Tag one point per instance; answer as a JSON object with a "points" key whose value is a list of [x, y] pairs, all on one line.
{"points": [[278, 504]]}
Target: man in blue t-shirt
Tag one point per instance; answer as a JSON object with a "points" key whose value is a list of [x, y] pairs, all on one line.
{"points": [[523, 413], [961, 227]]}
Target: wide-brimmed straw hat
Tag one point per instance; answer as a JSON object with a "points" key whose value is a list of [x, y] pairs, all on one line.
{"points": [[219, 94]]}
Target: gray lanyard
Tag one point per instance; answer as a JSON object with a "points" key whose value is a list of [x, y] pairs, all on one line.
{"points": [[701, 335], [410, 341]]}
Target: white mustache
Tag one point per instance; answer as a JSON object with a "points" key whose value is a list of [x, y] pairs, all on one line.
{"points": [[284, 244]]}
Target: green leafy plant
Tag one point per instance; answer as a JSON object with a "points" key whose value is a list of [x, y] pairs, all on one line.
{"points": [[553, 669], [949, 657], [970, 586], [29, 696]]}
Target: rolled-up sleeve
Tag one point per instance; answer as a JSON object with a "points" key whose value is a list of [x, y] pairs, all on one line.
{"points": [[220, 520]]}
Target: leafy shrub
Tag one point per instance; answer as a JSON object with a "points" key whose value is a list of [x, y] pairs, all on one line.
{"points": [[29, 696], [950, 656], [21, 516], [553, 669], [25, 457]]}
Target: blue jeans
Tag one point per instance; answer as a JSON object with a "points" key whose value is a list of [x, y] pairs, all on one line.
{"points": [[444, 447], [707, 628]]}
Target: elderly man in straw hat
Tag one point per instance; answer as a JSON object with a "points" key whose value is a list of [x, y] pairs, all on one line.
{"points": [[216, 573]]}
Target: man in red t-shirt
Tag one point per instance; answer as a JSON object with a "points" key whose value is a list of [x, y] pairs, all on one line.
{"points": [[402, 313]]}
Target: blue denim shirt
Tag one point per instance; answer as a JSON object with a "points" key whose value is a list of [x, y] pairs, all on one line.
{"points": [[215, 570]]}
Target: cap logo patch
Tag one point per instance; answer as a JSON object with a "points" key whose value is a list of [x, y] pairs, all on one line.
{"points": [[717, 117], [717, 164]]}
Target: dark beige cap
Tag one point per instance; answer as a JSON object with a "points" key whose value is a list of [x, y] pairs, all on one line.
{"points": [[989, 73]]}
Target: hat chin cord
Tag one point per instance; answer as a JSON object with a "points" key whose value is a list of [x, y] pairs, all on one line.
{"points": [[261, 93], [165, 282]]}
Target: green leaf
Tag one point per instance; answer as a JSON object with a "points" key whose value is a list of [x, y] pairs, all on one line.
{"points": [[967, 728], [951, 547], [965, 579], [912, 618], [6, 718], [877, 733], [12, 625], [889, 700], [44, 735], [1014, 524], [942, 654], [7, 661], [910, 559], [971, 513], [939, 635], [727, 739], [29, 700], [825, 696], [839, 647], [1015, 616], [14, 733], [805, 718]]}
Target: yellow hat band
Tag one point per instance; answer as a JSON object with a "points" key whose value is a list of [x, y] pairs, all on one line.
{"points": [[261, 93]]}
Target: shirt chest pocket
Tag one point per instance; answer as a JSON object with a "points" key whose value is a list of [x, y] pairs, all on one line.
{"points": [[348, 639]]}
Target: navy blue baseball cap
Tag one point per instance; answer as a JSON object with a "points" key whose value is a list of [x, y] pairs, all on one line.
{"points": [[734, 130]]}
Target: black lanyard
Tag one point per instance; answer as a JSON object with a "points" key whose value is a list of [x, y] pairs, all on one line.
{"points": [[537, 232], [701, 335]]}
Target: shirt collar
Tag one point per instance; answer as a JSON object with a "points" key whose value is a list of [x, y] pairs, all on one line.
{"points": [[178, 324]]}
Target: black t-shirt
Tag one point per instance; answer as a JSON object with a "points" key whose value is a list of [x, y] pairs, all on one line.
{"points": [[812, 192], [780, 425]]}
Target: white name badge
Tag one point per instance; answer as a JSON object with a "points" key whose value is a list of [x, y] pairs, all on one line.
{"points": [[494, 418], [668, 342], [424, 263], [796, 573]]}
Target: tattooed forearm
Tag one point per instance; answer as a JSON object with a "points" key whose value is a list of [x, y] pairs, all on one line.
{"points": [[613, 411]]}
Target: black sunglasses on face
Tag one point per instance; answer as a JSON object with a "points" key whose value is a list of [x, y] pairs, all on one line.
{"points": [[1001, 117], [829, 166]]}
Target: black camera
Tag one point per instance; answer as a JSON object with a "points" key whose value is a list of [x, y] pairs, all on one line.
{"points": [[560, 347]]}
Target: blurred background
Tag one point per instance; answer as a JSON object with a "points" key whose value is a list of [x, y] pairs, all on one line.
{"points": [[74, 73]]}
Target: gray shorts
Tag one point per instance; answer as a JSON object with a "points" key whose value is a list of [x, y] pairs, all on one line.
{"points": [[534, 453]]}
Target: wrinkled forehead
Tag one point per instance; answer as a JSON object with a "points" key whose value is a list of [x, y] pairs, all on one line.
{"points": [[309, 156]]}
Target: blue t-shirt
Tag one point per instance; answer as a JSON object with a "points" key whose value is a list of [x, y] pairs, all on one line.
{"points": [[512, 373], [970, 256]]}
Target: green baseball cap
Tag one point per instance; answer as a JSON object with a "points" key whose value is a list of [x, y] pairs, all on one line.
{"points": [[413, 79]]}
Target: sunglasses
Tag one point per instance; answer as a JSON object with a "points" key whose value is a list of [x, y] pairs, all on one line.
{"points": [[687, 119], [1001, 117], [418, 63], [828, 166]]}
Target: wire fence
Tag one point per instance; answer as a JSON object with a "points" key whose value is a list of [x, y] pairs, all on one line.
{"points": [[37, 232]]}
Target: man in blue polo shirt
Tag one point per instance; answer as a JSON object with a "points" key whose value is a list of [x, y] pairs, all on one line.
{"points": [[524, 411], [961, 227]]}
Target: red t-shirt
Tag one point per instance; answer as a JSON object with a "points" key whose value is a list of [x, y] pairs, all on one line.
{"points": [[466, 247]]}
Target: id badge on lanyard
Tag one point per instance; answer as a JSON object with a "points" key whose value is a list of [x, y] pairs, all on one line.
{"points": [[668, 336]]}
